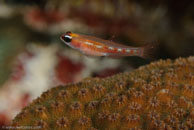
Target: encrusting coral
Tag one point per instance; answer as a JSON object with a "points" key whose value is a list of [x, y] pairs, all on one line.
{"points": [[156, 96]]}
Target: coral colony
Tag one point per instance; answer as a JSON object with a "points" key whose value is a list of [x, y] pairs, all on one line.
{"points": [[157, 96]]}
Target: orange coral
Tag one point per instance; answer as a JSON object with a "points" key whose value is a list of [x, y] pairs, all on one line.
{"points": [[156, 96]]}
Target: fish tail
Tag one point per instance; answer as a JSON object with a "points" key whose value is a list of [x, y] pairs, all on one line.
{"points": [[148, 51]]}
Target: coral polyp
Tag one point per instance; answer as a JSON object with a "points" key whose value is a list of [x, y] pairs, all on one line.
{"points": [[156, 96], [62, 123]]}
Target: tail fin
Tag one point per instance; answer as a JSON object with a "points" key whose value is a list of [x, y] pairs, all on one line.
{"points": [[148, 51]]}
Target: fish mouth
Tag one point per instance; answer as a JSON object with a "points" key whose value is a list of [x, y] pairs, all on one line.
{"points": [[62, 37]]}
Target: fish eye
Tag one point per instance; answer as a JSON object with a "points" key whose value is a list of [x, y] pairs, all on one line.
{"points": [[67, 37]]}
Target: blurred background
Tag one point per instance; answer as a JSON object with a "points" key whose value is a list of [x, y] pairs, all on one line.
{"points": [[33, 59]]}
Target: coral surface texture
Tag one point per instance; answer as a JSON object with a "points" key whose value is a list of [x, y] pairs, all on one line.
{"points": [[158, 96]]}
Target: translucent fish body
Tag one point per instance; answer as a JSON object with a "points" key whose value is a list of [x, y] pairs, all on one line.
{"points": [[93, 46]]}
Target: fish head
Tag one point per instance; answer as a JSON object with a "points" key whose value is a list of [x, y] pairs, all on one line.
{"points": [[71, 39], [67, 38]]}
